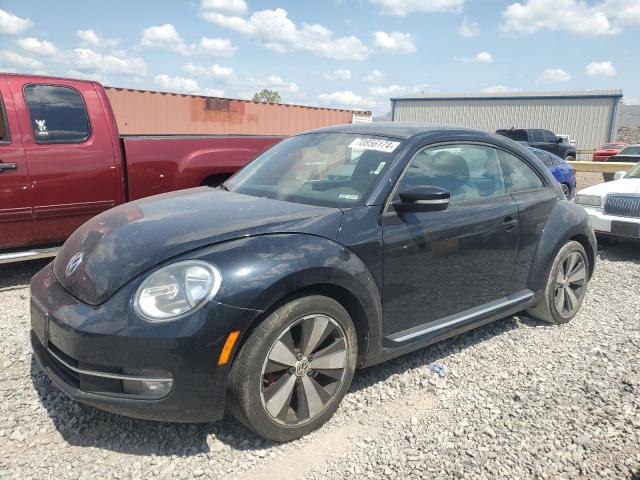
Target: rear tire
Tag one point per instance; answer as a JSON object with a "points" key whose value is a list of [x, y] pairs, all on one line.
{"points": [[566, 189], [570, 158], [294, 369], [566, 286]]}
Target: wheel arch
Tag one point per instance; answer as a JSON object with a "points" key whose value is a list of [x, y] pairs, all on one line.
{"points": [[566, 222]]}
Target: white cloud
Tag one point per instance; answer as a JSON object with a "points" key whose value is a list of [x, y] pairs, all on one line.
{"points": [[234, 7], [89, 38], [389, 91], [346, 98], [87, 60], [9, 57], [215, 71], [375, 76], [625, 12], [218, 47], [401, 8], [555, 75], [180, 84], [275, 82], [394, 42], [482, 57], [468, 28], [211, 92], [338, 74], [37, 47], [279, 33], [98, 77], [166, 37], [11, 24], [500, 89], [573, 16], [600, 69]]}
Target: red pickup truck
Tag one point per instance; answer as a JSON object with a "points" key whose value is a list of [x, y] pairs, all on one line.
{"points": [[62, 161]]}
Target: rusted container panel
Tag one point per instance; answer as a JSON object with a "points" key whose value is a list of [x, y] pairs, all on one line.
{"points": [[142, 112]]}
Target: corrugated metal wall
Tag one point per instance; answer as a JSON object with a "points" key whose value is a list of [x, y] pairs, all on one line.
{"points": [[587, 119], [155, 113]]}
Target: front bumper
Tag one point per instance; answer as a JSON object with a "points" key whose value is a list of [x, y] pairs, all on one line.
{"points": [[82, 348], [613, 225]]}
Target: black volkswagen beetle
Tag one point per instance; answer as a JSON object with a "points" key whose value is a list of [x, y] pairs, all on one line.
{"points": [[336, 249]]}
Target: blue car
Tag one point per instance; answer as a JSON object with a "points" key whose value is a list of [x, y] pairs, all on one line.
{"points": [[561, 170]]}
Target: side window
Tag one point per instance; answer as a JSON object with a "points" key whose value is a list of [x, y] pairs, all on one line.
{"points": [[4, 126], [536, 136], [549, 136], [519, 176], [466, 171], [58, 114]]}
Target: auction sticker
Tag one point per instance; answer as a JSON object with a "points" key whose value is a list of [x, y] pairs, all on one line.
{"points": [[374, 144]]}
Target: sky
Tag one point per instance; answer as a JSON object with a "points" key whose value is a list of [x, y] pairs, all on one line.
{"points": [[335, 53]]}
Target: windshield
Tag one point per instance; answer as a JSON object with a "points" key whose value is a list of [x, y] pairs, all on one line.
{"points": [[609, 146], [630, 151], [634, 172], [326, 169]]}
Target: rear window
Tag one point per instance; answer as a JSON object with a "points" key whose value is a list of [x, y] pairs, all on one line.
{"points": [[631, 151], [58, 114], [517, 135], [546, 159]]}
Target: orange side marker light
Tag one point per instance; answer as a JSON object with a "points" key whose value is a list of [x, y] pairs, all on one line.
{"points": [[228, 347]]}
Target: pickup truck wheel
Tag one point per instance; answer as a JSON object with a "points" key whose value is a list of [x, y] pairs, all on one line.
{"points": [[570, 158], [294, 369], [566, 286]]}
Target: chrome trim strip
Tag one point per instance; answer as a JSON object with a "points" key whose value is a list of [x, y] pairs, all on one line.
{"points": [[116, 376], [518, 298], [28, 255]]}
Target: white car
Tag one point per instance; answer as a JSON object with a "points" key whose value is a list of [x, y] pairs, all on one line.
{"points": [[614, 207]]}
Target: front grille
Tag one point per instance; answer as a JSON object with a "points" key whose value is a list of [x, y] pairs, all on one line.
{"points": [[623, 205]]}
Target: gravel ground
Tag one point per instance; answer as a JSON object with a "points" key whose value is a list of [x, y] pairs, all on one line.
{"points": [[518, 399]]}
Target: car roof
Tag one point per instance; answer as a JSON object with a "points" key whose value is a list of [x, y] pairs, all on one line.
{"points": [[395, 129], [534, 149]]}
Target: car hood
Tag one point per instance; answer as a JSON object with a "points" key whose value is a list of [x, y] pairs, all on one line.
{"points": [[624, 185], [119, 244]]}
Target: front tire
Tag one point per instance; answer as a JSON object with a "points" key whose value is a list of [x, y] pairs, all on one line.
{"points": [[566, 286], [294, 369]]}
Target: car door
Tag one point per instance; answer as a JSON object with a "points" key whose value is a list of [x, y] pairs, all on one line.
{"points": [[445, 262], [536, 139], [16, 204], [535, 200], [69, 153], [552, 143]]}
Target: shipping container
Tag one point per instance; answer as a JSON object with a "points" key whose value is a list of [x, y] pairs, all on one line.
{"points": [[143, 112]]}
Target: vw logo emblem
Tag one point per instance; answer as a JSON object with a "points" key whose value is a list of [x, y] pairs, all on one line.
{"points": [[73, 264], [302, 367]]}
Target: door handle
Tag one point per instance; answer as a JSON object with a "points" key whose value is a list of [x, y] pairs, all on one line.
{"points": [[510, 223], [7, 166]]}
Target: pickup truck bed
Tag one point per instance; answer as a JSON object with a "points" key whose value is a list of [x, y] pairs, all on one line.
{"points": [[62, 161]]}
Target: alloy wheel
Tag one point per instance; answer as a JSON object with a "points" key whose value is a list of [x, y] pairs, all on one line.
{"points": [[304, 370], [570, 284], [566, 191]]}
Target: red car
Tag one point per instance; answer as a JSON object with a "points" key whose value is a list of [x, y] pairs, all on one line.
{"points": [[62, 161], [607, 150]]}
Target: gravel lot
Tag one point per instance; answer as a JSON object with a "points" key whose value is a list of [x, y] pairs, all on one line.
{"points": [[519, 399]]}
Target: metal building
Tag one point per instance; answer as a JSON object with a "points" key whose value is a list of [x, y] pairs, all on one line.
{"points": [[588, 116]]}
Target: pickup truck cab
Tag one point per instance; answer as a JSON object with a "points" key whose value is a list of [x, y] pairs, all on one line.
{"points": [[62, 161], [542, 139]]}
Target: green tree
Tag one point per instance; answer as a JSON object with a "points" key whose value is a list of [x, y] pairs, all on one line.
{"points": [[267, 96]]}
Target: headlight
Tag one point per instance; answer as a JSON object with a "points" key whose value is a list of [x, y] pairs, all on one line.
{"points": [[177, 289], [591, 200]]}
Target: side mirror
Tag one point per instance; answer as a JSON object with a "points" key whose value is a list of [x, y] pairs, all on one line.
{"points": [[558, 140], [423, 199], [619, 175]]}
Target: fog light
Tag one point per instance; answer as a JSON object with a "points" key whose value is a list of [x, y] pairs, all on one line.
{"points": [[146, 383]]}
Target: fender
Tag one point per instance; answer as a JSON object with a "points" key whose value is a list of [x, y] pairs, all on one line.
{"points": [[573, 221], [260, 271]]}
